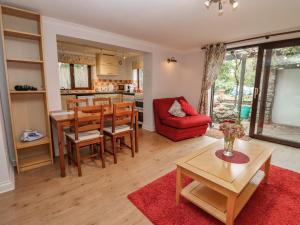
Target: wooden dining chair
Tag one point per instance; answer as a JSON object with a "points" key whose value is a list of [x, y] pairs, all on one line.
{"points": [[71, 103], [88, 131], [106, 103], [102, 101], [122, 125]]}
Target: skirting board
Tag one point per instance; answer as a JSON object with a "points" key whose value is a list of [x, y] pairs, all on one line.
{"points": [[8, 185], [148, 128]]}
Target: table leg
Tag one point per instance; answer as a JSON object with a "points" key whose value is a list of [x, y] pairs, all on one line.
{"points": [[231, 201], [179, 184], [136, 133], [61, 150], [267, 169]]}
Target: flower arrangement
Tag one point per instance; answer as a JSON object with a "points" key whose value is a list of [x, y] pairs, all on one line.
{"points": [[231, 130]]}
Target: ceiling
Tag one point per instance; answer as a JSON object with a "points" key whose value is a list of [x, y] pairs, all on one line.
{"points": [[79, 46], [180, 24]]}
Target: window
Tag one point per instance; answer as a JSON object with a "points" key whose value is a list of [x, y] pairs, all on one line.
{"points": [[81, 76], [74, 76], [138, 77]]}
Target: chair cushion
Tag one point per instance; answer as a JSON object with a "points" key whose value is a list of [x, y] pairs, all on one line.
{"points": [[187, 108], [187, 122], [118, 129], [84, 136], [162, 106], [175, 110]]}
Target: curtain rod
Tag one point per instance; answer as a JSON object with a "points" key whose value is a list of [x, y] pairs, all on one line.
{"points": [[258, 37]]}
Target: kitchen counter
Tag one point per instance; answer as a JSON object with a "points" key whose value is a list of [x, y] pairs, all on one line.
{"points": [[94, 92]]}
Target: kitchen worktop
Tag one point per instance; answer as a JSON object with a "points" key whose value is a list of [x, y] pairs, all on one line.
{"points": [[91, 92]]}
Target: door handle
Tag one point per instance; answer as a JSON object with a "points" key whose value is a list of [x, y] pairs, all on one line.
{"points": [[256, 92]]}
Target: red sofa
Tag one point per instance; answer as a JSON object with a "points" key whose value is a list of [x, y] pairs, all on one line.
{"points": [[176, 128]]}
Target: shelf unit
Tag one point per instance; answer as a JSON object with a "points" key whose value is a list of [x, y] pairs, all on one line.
{"points": [[215, 203], [28, 92], [22, 41], [30, 61], [20, 34]]}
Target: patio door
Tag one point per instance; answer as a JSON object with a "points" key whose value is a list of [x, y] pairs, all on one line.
{"points": [[232, 93], [276, 100]]}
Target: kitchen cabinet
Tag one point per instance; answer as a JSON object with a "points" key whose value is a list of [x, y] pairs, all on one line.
{"points": [[109, 60], [109, 70], [107, 65], [115, 98], [128, 98]]}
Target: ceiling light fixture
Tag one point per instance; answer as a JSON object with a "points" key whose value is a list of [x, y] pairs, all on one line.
{"points": [[234, 4]]}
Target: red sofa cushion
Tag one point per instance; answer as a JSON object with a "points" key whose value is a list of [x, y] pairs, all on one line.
{"points": [[187, 108], [162, 106], [186, 122]]}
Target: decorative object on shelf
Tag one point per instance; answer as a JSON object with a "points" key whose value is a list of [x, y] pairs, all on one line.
{"points": [[25, 88], [234, 4], [172, 60], [231, 131], [31, 135]]}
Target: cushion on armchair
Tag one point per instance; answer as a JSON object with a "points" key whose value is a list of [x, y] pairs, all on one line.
{"points": [[162, 106], [175, 110], [187, 108]]}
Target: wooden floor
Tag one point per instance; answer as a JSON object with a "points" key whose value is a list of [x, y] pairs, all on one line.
{"points": [[99, 197]]}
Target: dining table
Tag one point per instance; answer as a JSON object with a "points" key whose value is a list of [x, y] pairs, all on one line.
{"points": [[64, 119]]}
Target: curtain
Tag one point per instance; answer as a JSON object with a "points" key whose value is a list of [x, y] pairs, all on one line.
{"points": [[214, 59], [64, 76]]}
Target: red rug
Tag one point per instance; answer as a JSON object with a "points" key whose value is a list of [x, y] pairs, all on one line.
{"points": [[275, 203]]}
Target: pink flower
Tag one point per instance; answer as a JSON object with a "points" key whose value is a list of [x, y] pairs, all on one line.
{"points": [[232, 129]]}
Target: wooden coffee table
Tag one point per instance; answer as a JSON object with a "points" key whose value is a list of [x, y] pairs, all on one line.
{"points": [[221, 188]]}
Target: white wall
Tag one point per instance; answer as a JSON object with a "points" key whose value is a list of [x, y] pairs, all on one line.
{"points": [[183, 78], [7, 179], [286, 109], [191, 76], [161, 79]]}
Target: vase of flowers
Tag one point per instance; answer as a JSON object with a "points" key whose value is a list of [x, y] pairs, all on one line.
{"points": [[231, 131]]}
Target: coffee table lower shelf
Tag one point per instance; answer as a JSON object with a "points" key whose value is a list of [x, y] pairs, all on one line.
{"points": [[215, 203]]}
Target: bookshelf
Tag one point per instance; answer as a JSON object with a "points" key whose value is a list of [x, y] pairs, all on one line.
{"points": [[22, 37]]}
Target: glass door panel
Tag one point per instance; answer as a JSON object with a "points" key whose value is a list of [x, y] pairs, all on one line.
{"points": [[233, 89], [277, 95]]}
